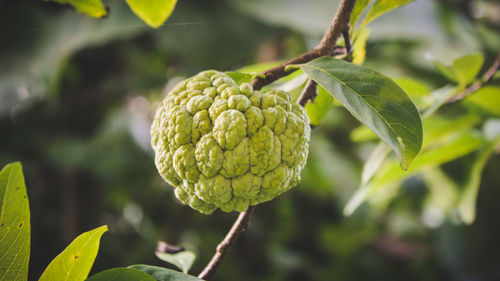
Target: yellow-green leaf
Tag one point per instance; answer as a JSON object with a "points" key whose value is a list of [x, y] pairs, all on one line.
{"points": [[381, 7], [14, 224], [390, 174], [462, 70], [75, 262], [164, 274], [358, 9], [487, 98], [152, 12], [93, 8], [359, 46], [121, 274]]}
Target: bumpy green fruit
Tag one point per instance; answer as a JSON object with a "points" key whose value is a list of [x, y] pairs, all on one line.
{"points": [[226, 146]]}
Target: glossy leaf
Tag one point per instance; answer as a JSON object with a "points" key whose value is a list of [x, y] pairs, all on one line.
{"points": [[412, 87], [418, 91], [93, 8], [467, 204], [164, 274], [441, 130], [183, 260], [437, 129], [359, 46], [152, 12], [14, 224], [487, 98], [121, 274], [460, 146], [381, 7], [318, 109], [75, 262], [463, 70], [375, 100]]}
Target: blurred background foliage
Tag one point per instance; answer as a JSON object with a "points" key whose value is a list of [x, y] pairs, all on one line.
{"points": [[76, 101]]}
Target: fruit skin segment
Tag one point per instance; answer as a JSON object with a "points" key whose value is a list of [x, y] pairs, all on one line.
{"points": [[226, 146]]}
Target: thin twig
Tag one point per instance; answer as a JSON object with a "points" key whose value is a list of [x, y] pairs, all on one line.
{"points": [[275, 73], [348, 45], [339, 25], [239, 226], [309, 92], [478, 84]]}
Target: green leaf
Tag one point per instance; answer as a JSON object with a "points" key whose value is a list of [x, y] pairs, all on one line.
{"points": [[93, 8], [463, 70], [152, 12], [412, 87], [75, 261], [183, 260], [440, 130], [418, 91], [319, 108], [437, 129], [14, 224], [359, 46], [240, 77], [358, 9], [487, 98], [375, 100], [381, 7], [164, 274], [467, 203], [460, 146], [121, 274]]}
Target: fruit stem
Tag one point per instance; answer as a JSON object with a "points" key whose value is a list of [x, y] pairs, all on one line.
{"points": [[240, 225]]}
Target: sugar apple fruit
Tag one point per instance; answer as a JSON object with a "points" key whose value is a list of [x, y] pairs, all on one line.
{"points": [[226, 146]]}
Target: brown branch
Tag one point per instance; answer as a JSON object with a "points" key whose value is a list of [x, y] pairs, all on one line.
{"points": [[239, 226], [326, 46], [309, 92], [339, 24], [275, 73], [478, 84], [348, 46]]}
